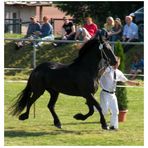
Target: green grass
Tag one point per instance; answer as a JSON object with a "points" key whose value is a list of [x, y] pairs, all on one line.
{"points": [[40, 130]]}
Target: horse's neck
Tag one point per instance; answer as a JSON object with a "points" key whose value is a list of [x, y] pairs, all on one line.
{"points": [[90, 61]]}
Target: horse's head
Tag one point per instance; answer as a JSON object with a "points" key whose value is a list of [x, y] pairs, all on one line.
{"points": [[105, 48]]}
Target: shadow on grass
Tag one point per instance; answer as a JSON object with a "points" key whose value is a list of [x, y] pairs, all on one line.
{"points": [[22, 133], [78, 123]]}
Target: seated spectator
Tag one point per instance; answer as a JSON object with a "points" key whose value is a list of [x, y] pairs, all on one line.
{"points": [[33, 27], [68, 30], [109, 24], [116, 32], [87, 31], [130, 32], [137, 66], [45, 33]]}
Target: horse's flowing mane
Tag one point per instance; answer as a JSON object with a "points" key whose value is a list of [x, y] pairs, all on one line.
{"points": [[87, 46]]}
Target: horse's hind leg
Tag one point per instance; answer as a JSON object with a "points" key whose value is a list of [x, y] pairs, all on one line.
{"points": [[51, 105], [80, 116], [31, 100]]}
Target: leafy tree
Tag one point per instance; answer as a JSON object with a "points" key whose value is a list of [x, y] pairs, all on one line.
{"points": [[98, 10]]}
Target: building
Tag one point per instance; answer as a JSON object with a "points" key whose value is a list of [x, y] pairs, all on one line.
{"points": [[18, 13]]}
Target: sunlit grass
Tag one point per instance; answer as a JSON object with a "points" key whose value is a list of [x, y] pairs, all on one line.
{"points": [[40, 130]]}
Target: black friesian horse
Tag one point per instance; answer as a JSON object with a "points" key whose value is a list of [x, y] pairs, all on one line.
{"points": [[79, 78]]}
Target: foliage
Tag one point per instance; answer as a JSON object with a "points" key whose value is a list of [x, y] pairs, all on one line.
{"points": [[98, 10], [121, 92]]}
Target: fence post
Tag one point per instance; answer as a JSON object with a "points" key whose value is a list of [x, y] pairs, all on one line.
{"points": [[20, 25]]}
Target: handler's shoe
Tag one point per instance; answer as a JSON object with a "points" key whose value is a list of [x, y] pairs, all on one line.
{"points": [[113, 128]]}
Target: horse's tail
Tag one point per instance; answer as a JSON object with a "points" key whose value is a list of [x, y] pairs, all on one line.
{"points": [[22, 100]]}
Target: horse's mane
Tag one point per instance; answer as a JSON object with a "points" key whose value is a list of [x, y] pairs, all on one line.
{"points": [[84, 49]]}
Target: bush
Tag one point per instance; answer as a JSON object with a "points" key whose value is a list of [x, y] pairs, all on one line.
{"points": [[121, 92]]}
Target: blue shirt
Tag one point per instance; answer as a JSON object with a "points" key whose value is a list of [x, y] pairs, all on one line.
{"points": [[138, 65], [33, 27], [131, 31], [46, 29]]}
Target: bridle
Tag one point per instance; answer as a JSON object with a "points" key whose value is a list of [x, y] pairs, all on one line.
{"points": [[106, 59]]}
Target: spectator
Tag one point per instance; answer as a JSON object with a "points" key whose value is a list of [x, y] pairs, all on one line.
{"points": [[116, 32], [130, 32], [87, 31], [137, 66], [68, 30], [33, 27], [109, 23], [45, 33]]}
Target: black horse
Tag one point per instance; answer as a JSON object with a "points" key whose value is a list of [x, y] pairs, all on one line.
{"points": [[79, 78]]}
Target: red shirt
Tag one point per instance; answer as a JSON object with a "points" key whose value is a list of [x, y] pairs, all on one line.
{"points": [[91, 28]]}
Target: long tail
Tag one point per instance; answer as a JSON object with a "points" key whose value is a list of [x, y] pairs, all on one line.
{"points": [[23, 98]]}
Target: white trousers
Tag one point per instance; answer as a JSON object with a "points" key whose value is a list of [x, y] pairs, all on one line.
{"points": [[109, 102]]}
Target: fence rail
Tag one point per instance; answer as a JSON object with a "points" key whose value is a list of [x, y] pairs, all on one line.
{"points": [[70, 41]]}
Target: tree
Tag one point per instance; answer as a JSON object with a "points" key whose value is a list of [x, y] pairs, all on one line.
{"points": [[121, 92], [98, 10]]}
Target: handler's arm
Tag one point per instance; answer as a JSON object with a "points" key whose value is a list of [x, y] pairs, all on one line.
{"points": [[132, 83]]}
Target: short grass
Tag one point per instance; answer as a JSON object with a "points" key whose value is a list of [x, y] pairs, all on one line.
{"points": [[39, 131]]}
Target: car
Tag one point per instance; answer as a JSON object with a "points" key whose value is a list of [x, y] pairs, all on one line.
{"points": [[138, 18]]}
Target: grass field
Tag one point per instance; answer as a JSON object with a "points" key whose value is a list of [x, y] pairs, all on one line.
{"points": [[40, 130]]}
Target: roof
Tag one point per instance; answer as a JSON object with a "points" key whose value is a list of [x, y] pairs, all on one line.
{"points": [[29, 3]]}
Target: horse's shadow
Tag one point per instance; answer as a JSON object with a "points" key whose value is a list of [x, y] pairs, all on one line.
{"points": [[22, 133]]}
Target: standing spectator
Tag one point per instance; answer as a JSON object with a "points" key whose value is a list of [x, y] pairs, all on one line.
{"points": [[116, 32], [45, 33], [130, 32], [109, 23], [87, 31], [108, 100], [68, 29], [33, 27]]}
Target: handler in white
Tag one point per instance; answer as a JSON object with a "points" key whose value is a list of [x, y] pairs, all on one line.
{"points": [[108, 99]]}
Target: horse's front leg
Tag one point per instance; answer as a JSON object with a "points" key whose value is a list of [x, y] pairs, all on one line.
{"points": [[80, 116], [93, 102]]}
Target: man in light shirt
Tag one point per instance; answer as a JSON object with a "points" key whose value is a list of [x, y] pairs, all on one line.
{"points": [[130, 32], [108, 101]]}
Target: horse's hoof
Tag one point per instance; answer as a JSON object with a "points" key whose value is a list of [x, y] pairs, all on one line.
{"points": [[106, 127], [23, 117], [79, 117], [58, 126]]}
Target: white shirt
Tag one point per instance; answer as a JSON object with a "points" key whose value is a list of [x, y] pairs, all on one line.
{"points": [[107, 80]]}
